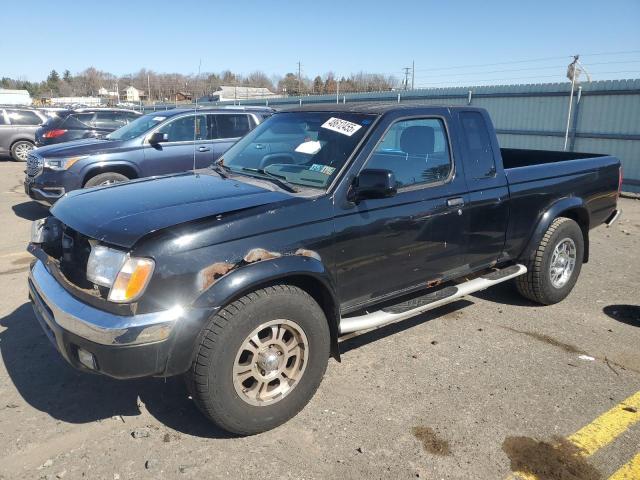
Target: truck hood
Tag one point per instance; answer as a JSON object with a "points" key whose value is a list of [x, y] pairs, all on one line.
{"points": [[87, 146], [122, 214]]}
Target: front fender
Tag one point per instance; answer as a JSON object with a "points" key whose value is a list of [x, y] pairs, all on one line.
{"points": [[251, 276], [572, 207], [106, 165]]}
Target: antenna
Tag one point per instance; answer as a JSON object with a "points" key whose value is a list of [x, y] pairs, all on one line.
{"points": [[195, 112]]}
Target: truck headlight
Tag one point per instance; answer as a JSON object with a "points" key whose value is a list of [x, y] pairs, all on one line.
{"points": [[63, 163], [125, 276]]}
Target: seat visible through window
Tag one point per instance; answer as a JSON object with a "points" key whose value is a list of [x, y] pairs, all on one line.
{"points": [[416, 151]]}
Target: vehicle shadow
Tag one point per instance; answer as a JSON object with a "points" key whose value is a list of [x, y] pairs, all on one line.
{"points": [[30, 210], [47, 383], [393, 328], [506, 294], [629, 314]]}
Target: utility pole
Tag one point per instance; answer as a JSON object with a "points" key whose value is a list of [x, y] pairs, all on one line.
{"points": [[406, 77], [573, 72], [413, 74], [299, 78]]}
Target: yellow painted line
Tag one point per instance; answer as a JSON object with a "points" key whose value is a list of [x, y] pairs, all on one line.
{"points": [[629, 471], [599, 433], [607, 427]]}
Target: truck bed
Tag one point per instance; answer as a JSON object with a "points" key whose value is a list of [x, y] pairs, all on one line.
{"points": [[516, 157]]}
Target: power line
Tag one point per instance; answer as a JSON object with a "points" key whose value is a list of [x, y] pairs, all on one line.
{"points": [[530, 60], [593, 74], [551, 67]]}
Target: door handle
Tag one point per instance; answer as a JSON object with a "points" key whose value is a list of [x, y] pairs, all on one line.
{"points": [[455, 202], [203, 149]]}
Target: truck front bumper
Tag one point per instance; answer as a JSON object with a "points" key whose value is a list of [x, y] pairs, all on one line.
{"points": [[102, 342]]}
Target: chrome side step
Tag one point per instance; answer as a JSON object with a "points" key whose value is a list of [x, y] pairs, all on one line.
{"points": [[429, 301]]}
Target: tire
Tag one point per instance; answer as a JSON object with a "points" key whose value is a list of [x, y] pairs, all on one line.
{"points": [[223, 353], [540, 283], [105, 179], [20, 150]]}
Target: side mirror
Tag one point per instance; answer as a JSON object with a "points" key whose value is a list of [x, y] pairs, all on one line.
{"points": [[157, 137], [373, 183]]}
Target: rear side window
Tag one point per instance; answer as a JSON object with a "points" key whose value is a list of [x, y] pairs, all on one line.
{"points": [[24, 117], [416, 151], [2, 122], [182, 129], [481, 163], [231, 126], [79, 120], [108, 120]]}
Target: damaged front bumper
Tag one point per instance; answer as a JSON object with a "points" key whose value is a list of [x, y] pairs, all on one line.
{"points": [[93, 339]]}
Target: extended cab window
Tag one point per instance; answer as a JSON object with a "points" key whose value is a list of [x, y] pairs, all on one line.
{"points": [[182, 129], [416, 151], [481, 163]]}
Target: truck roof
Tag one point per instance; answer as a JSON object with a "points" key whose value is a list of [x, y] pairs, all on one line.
{"points": [[368, 107]]}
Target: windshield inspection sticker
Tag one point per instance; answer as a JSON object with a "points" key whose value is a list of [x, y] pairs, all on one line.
{"points": [[326, 169], [341, 126], [311, 147]]}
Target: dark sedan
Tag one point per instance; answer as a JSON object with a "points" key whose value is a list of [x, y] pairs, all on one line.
{"points": [[83, 123]]}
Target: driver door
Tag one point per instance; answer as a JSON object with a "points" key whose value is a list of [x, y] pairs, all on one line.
{"points": [[387, 246], [177, 154]]}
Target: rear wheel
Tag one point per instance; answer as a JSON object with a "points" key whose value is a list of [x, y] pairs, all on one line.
{"points": [[103, 179], [260, 360], [556, 264], [20, 150]]}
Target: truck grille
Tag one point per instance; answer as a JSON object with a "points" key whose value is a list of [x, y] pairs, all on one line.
{"points": [[34, 164]]}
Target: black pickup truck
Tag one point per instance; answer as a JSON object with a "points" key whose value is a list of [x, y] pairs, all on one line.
{"points": [[323, 221]]}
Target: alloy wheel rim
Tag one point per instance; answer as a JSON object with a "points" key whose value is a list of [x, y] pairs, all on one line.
{"points": [[563, 262], [270, 362], [22, 151]]}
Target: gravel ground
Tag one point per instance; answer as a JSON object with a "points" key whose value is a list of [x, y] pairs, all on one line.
{"points": [[474, 390]]}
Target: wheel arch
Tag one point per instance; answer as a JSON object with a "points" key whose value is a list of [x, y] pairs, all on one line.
{"points": [[304, 272], [124, 168], [569, 207]]}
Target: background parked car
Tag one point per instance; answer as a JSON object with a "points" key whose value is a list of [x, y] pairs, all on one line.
{"points": [[83, 123], [18, 126], [158, 143]]}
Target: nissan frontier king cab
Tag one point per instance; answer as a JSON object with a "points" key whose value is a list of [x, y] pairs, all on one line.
{"points": [[320, 222]]}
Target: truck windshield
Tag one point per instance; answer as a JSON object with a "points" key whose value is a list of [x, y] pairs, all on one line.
{"points": [[137, 127], [303, 148]]}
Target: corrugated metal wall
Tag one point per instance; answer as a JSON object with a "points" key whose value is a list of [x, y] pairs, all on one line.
{"points": [[607, 115]]}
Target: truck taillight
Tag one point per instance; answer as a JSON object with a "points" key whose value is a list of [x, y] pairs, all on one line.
{"points": [[56, 132]]}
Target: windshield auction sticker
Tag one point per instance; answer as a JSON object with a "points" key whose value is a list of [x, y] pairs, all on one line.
{"points": [[341, 126]]}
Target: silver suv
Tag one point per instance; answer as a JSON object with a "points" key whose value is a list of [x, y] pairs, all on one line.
{"points": [[18, 126]]}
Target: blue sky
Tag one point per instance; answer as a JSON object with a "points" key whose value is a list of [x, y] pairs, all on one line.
{"points": [[344, 37]]}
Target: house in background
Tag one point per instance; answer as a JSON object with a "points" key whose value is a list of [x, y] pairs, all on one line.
{"points": [[132, 94], [184, 96], [233, 92]]}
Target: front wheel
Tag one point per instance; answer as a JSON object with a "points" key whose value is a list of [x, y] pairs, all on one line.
{"points": [[20, 150], [260, 360], [104, 179], [556, 264]]}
